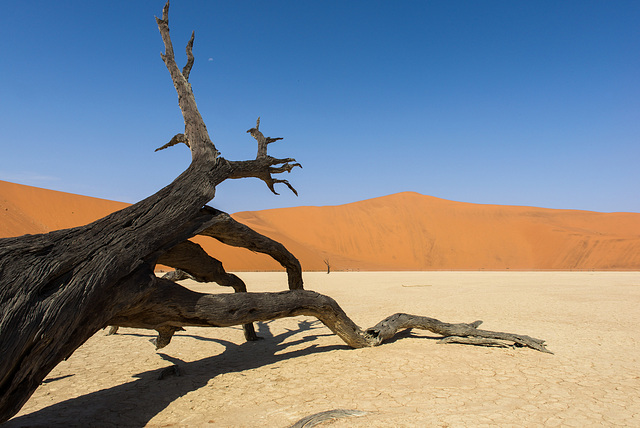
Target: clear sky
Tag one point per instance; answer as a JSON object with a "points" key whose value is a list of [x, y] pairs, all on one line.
{"points": [[498, 102]]}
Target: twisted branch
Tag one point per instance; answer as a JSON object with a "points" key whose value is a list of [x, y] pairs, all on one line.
{"points": [[225, 310]]}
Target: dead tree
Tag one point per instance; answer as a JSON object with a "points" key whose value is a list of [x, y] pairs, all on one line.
{"points": [[326, 262], [58, 289]]}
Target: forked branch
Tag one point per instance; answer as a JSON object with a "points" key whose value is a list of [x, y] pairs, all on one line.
{"points": [[201, 146], [264, 166], [263, 141]]}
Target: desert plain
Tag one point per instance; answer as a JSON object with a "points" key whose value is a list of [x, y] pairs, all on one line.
{"points": [[589, 320], [569, 277]]}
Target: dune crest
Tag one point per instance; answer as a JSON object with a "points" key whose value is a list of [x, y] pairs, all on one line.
{"points": [[403, 231]]}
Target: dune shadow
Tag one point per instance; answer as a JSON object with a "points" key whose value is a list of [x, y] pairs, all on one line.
{"points": [[135, 403]]}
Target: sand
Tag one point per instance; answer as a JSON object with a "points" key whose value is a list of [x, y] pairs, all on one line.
{"points": [[404, 231], [409, 231], [589, 319], [27, 209]]}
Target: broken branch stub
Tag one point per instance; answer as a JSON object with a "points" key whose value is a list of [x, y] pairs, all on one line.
{"points": [[263, 141], [177, 139]]}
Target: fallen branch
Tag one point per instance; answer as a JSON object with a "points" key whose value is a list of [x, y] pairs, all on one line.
{"points": [[171, 306]]}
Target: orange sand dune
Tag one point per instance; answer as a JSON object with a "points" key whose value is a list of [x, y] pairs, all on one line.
{"points": [[26, 209], [404, 231], [409, 231]]}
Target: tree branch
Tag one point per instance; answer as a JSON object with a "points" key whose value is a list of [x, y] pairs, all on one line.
{"points": [[264, 165], [195, 130], [177, 139], [173, 306], [230, 232], [177, 275], [190, 259], [263, 141], [60, 288], [262, 168], [187, 68], [390, 326], [221, 226]]}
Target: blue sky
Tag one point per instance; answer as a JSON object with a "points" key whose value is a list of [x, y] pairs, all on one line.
{"points": [[499, 102]]}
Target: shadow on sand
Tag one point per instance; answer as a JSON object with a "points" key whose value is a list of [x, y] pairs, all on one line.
{"points": [[135, 403]]}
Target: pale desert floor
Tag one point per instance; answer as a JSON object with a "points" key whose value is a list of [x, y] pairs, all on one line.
{"points": [[590, 320]]}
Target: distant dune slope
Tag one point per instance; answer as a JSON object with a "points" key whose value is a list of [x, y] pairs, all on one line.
{"points": [[26, 209], [404, 231], [412, 231]]}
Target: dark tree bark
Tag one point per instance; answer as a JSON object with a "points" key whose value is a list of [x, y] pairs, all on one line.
{"points": [[60, 288]]}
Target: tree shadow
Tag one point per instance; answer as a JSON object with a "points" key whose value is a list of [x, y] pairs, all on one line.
{"points": [[53, 379], [135, 403]]}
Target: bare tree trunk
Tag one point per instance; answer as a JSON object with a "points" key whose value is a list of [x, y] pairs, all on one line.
{"points": [[60, 288]]}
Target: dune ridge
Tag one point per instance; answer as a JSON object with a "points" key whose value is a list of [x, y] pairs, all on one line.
{"points": [[32, 210], [403, 231]]}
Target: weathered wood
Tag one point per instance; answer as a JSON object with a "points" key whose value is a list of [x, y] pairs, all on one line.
{"points": [[263, 141], [171, 305], [230, 232], [194, 263], [194, 128], [177, 275], [190, 257], [318, 418], [388, 327], [263, 168], [186, 70]]}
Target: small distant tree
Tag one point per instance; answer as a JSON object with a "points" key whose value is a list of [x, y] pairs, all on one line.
{"points": [[326, 262], [58, 289]]}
